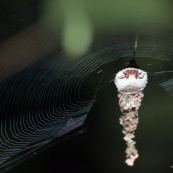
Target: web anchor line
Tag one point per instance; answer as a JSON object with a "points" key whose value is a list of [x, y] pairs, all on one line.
{"points": [[132, 62], [135, 46]]}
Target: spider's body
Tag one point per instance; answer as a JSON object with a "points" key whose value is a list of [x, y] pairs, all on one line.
{"points": [[130, 79], [131, 72]]}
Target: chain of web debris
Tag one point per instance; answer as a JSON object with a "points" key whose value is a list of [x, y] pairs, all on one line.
{"points": [[129, 104]]}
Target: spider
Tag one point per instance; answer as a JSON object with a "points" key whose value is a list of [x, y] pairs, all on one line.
{"points": [[132, 72]]}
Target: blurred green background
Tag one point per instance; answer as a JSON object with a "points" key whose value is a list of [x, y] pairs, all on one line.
{"points": [[80, 20]]}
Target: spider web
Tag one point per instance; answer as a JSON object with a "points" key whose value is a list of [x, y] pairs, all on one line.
{"points": [[55, 95], [44, 102]]}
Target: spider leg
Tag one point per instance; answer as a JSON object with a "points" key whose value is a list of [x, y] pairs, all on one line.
{"points": [[127, 74], [124, 75], [141, 76], [137, 74]]}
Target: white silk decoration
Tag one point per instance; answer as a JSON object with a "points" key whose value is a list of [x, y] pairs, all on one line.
{"points": [[130, 83]]}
